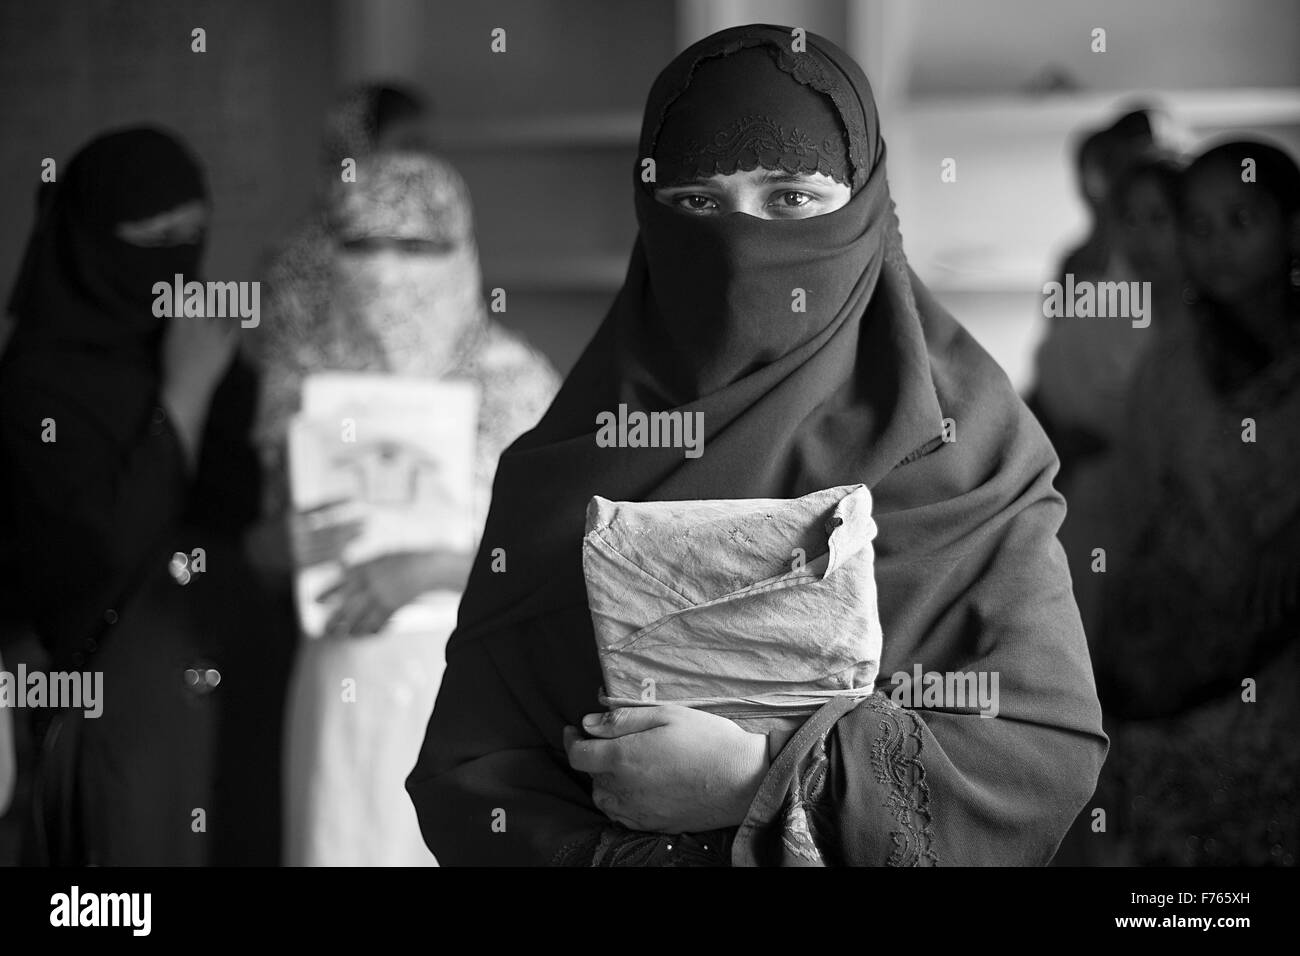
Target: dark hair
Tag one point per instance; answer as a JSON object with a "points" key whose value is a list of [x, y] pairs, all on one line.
{"points": [[1275, 171], [1106, 147], [1133, 125], [394, 104]]}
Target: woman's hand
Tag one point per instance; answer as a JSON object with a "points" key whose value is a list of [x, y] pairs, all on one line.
{"points": [[318, 536], [372, 591], [667, 768], [279, 544]]}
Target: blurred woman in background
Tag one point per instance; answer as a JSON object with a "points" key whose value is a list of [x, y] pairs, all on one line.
{"points": [[1093, 171], [298, 278], [299, 281], [126, 460], [404, 298], [1146, 201], [1146, 209], [1198, 611], [1083, 363]]}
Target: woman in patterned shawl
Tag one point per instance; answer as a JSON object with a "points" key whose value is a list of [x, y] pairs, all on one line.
{"points": [[298, 277], [404, 298]]}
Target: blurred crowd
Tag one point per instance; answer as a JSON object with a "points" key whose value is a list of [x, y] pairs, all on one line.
{"points": [[226, 739], [1177, 451]]}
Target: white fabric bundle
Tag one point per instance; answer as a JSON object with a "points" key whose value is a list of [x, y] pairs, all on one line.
{"points": [[753, 609]]}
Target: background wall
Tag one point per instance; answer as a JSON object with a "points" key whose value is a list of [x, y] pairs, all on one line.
{"points": [[251, 105], [1004, 86], [1003, 47], [545, 133]]}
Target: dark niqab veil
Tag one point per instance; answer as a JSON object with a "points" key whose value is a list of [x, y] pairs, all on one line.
{"points": [[81, 284], [85, 355], [855, 389]]}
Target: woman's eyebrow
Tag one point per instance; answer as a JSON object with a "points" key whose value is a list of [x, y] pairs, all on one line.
{"points": [[778, 177], [689, 184]]}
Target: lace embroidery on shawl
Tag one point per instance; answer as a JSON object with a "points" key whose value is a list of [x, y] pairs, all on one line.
{"points": [[895, 758], [809, 822], [806, 68], [754, 141]]}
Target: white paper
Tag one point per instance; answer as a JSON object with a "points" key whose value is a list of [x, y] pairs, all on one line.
{"points": [[398, 454]]}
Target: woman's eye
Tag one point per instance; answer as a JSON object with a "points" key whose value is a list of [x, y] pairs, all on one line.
{"points": [[795, 199], [695, 203]]}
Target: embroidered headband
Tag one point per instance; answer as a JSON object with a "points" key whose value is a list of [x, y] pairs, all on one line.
{"points": [[742, 111]]}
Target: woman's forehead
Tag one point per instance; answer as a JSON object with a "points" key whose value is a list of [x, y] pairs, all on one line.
{"points": [[757, 177], [1223, 184]]}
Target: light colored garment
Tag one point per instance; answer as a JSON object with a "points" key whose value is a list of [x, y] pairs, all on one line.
{"points": [[415, 315], [358, 709], [752, 609]]}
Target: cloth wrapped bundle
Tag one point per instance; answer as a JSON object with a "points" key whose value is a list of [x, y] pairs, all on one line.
{"points": [[759, 610]]}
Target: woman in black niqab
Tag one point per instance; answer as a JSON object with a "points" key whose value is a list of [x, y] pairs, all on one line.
{"points": [[123, 444], [874, 382]]}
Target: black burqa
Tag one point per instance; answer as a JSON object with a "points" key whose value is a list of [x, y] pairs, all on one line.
{"points": [[97, 498], [855, 389]]}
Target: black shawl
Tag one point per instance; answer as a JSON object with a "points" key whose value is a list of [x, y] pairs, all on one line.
{"points": [[855, 389]]}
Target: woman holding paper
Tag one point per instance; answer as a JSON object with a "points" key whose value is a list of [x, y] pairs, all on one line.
{"points": [[405, 325], [768, 290]]}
